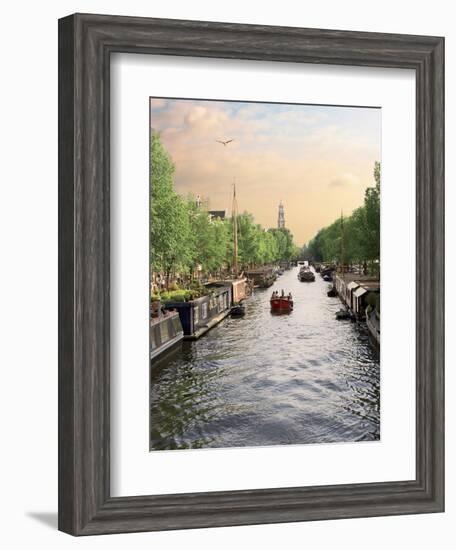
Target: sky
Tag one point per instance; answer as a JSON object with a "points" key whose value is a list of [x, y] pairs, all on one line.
{"points": [[317, 160]]}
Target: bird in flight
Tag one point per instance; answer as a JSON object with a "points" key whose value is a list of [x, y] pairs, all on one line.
{"points": [[224, 143]]}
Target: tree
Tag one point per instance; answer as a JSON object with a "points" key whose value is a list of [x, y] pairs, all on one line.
{"points": [[247, 239], [286, 249], [355, 238], [372, 217], [170, 229], [211, 237], [183, 236]]}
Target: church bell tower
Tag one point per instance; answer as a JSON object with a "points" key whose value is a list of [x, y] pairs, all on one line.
{"points": [[281, 218]]}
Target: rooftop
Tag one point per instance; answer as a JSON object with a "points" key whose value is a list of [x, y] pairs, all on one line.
{"points": [[356, 277]]}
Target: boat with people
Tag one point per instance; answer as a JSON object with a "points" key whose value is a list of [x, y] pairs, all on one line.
{"points": [[305, 275], [281, 303]]}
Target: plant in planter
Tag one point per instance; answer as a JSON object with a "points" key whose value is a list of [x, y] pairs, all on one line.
{"points": [[177, 296], [155, 305]]}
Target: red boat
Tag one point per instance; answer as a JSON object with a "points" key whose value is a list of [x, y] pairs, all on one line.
{"points": [[281, 304]]}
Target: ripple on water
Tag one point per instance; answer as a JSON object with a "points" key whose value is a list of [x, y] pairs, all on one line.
{"points": [[270, 380]]}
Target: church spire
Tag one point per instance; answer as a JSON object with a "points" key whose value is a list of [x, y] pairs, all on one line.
{"points": [[281, 218]]}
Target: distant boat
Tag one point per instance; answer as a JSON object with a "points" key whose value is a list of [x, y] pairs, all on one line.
{"points": [[305, 275], [281, 304], [326, 270], [343, 314]]}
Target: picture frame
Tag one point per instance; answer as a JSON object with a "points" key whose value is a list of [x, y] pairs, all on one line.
{"points": [[85, 44]]}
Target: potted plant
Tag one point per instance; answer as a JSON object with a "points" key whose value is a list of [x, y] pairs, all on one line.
{"points": [[155, 305]]}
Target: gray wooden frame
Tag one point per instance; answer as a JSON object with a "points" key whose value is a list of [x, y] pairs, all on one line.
{"points": [[85, 45]]}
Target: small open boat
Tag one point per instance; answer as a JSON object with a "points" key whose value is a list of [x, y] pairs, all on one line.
{"points": [[238, 310], [281, 304], [343, 314]]}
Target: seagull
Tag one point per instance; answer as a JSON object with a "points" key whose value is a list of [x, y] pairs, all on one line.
{"points": [[224, 143]]}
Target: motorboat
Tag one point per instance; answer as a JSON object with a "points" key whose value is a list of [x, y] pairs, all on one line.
{"points": [[281, 304], [305, 275]]}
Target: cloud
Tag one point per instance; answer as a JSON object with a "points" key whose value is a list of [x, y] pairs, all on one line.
{"points": [[318, 160], [344, 180], [157, 103]]}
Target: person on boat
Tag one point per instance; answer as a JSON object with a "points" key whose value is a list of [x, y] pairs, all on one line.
{"points": [[283, 293], [289, 296]]}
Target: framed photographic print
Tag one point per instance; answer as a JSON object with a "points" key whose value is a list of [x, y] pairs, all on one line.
{"points": [[251, 274]]}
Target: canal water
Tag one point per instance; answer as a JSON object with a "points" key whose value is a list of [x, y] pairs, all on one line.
{"points": [[270, 380]]}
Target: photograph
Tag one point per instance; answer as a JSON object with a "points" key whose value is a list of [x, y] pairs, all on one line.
{"points": [[264, 274]]}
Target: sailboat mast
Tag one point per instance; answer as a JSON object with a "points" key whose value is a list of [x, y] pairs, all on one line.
{"points": [[235, 233]]}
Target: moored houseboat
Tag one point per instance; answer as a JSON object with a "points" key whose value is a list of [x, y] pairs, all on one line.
{"points": [[373, 325], [240, 289], [262, 278], [201, 314], [362, 295], [165, 333], [353, 290]]}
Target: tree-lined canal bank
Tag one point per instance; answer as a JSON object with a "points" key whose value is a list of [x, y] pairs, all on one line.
{"points": [[268, 380]]}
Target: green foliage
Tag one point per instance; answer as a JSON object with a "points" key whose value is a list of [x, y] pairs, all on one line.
{"points": [[179, 295], [173, 286], [286, 249], [171, 242], [372, 217], [354, 239], [185, 239]]}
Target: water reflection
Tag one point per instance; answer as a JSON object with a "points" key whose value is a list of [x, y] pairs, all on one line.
{"points": [[270, 379]]}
